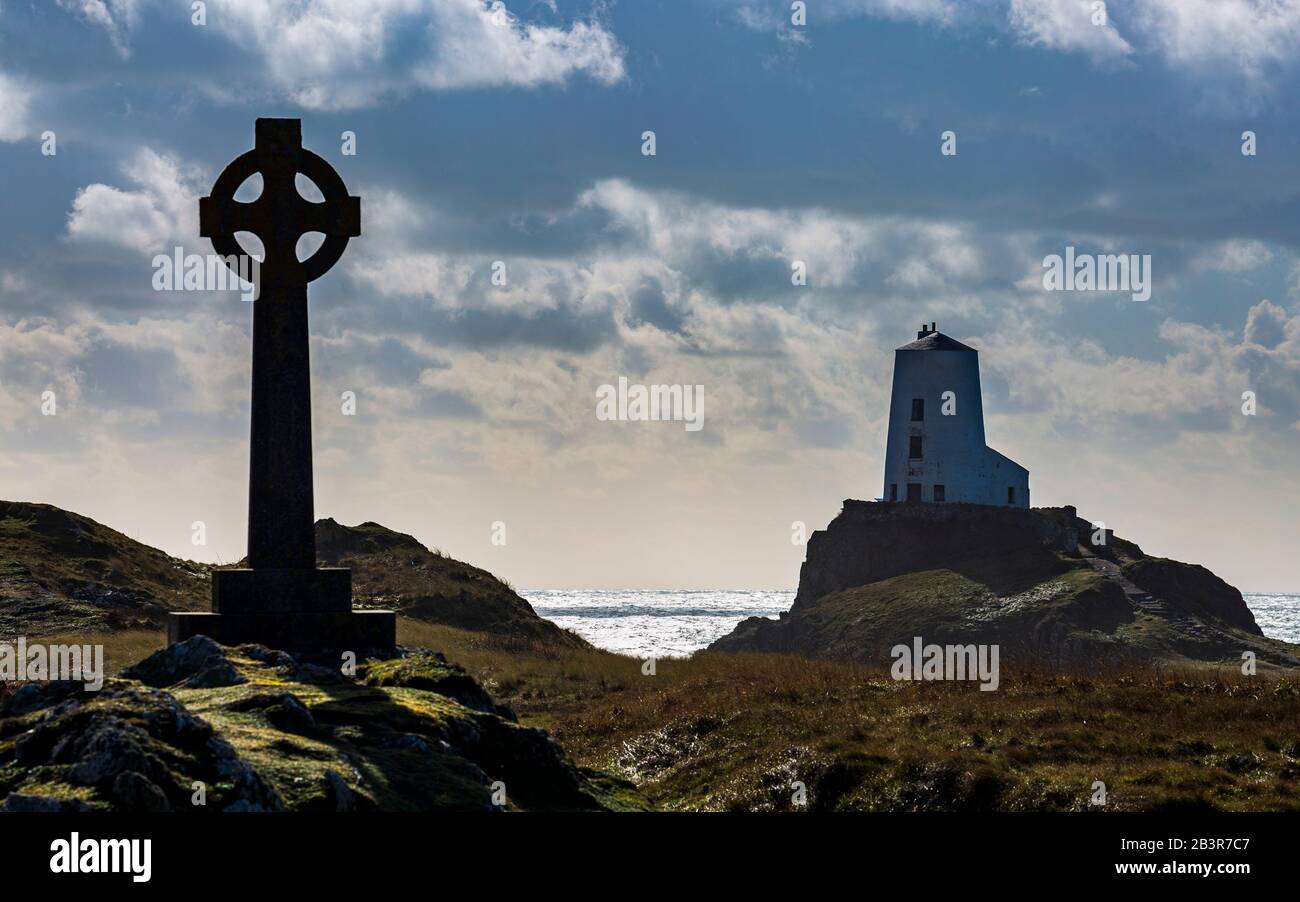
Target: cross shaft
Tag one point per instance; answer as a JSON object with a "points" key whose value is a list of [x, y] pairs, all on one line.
{"points": [[281, 515]]}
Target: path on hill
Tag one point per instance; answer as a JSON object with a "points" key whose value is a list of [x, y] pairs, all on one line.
{"points": [[1156, 607], [1226, 642]]}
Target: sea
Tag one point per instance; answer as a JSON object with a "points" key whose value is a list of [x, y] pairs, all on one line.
{"points": [[664, 623]]}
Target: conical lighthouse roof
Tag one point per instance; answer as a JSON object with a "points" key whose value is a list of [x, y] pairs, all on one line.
{"points": [[936, 341]]}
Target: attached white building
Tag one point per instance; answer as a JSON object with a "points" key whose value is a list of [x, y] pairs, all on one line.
{"points": [[935, 450]]}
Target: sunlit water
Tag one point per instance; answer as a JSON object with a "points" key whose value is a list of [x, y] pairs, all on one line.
{"points": [[649, 622], [1277, 615], [659, 623]]}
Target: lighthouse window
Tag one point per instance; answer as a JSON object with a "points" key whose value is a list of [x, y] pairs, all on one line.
{"points": [[914, 491], [893, 491], [918, 409], [1011, 494], [914, 447], [938, 492]]}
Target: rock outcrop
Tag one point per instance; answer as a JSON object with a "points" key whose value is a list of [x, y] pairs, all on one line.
{"points": [[200, 727], [1042, 584], [869, 542], [1194, 588]]}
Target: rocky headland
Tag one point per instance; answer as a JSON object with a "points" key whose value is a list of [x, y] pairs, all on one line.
{"points": [[1042, 583]]}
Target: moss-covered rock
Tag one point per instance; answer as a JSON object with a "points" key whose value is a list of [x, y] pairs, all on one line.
{"points": [[126, 747], [431, 671], [197, 662], [413, 734]]}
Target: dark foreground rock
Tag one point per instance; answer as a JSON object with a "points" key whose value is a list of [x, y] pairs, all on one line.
{"points": [[200, 727], [198, 663], [1033, 582]]}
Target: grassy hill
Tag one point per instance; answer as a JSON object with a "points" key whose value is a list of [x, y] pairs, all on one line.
{"points": [[393, 570], [62, 574]]}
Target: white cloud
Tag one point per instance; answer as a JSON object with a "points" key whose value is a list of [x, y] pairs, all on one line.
{"points": [[159, 212], [1067, 25], [1238, 256], [491, 47], [1270, 327], [330, 54], [15, 102], [117, 17], [1202, 37], [39, 354], [1243, 35], [343, 54], [212, 355], [1204, 372], [676, 228], [774, 22]]}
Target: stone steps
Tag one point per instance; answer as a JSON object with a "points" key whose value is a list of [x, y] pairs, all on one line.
{"points": [[1156, 607]]}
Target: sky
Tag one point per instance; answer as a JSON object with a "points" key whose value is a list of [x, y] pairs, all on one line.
{"points": [[513, 134]]}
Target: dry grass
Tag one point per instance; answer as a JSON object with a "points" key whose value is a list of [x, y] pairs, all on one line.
{"points": [[735, 731], [121, 649]]}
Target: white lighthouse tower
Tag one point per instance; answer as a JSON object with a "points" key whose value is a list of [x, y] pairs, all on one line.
{"points": [[935, 450]]}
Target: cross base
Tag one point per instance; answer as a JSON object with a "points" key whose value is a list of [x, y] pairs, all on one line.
{"points": [[322, 590], [365, 633]]}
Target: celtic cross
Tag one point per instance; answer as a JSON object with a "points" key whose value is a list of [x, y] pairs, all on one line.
{"points": [[281, 529]]}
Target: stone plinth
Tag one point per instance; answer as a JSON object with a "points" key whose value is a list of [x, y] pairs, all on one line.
{"points": [[294, 609], [361, 632], [276, 590]]}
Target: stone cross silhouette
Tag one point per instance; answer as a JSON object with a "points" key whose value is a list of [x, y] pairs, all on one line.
{"points": [[281, 529], [282, 599]]}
